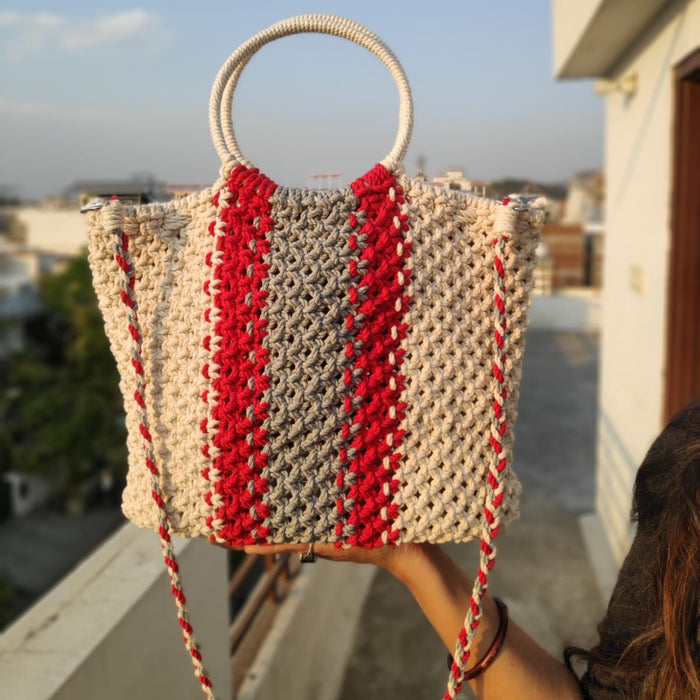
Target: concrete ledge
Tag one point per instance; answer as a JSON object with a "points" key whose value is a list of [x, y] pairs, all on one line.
{"points": [[109, 629], [573, 310], [305, 653]]}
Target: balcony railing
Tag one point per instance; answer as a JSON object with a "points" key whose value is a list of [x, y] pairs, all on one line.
{"points": [[257, 586]]}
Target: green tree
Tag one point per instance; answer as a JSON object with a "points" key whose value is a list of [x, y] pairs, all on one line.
{"points": [[63, 413]]}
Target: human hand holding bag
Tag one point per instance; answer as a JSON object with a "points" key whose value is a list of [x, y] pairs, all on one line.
{"points": [[332, 366]]}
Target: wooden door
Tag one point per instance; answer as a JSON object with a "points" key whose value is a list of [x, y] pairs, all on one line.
{"points": [[683, 330]]}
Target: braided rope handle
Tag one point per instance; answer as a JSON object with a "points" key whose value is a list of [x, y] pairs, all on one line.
{"points": [[221, 98], [113, 216]]}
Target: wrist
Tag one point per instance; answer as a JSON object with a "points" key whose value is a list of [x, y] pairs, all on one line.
{"points": [[417, 564], [409, 562], [443, 590]]}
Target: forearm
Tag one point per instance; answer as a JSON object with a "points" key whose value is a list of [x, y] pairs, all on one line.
{"points": [[522, 669]]}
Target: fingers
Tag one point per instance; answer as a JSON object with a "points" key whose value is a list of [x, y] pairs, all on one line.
{"points": [[323, 550], [393, 558], [274, 548]]}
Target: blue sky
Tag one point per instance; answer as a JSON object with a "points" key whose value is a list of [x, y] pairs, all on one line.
{"points": [[106, 90]]}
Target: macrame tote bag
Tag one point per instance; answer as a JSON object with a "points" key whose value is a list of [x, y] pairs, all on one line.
{"points": [[318, 365]]}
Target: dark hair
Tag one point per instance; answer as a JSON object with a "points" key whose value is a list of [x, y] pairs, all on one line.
{"points": [[649, 645]]}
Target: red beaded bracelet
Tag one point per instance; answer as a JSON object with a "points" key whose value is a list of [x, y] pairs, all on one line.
{"points": [[490, 656]]}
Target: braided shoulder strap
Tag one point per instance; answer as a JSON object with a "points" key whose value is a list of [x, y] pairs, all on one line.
{"points": [[497, 465], [113, 217]]}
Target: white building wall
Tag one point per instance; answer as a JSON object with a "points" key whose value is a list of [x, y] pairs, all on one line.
{"points": [[639, 137], [54, 230]]}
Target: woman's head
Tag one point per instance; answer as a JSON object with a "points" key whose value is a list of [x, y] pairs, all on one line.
{"points": [[666, 506], [667, 486], [649, 639]]}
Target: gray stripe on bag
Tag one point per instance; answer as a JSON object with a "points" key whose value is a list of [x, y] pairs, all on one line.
{"points": [[307, 308]]}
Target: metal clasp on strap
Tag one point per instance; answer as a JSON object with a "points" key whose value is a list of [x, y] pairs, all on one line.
{"points": [[92, 205], [522, 202]]}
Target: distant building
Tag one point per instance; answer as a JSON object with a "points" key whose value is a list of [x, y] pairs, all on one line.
{"points": [[34, 241], [583, 210], [19, 296], [420, 174], [51, 235], [49, 238], [480, 186], [134, 191], [178, 191], [452, 180], [573, 263], [584, 198]]}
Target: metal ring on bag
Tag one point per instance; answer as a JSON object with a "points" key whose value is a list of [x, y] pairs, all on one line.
{"points": [[309, 556]]}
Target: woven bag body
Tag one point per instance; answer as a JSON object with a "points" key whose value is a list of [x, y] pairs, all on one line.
{"points": [[319, 365]]}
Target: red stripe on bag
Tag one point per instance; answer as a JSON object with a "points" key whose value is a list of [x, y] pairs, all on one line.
{"points": [[382, 307], [241, 380]]}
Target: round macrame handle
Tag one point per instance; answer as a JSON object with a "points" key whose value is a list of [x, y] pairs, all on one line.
{"points": [[220, 101]]}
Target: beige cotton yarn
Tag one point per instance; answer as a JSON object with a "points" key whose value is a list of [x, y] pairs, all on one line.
{"points": [[448, 352]]}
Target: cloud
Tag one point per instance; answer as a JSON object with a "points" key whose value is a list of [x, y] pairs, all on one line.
{"points": [[8, 19], [46, 21], [110, 29], [42, 31]]}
